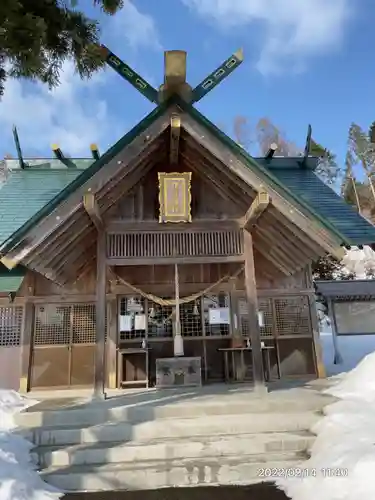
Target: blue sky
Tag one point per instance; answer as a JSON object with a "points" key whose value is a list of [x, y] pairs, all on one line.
{"points": [[306, 61]]}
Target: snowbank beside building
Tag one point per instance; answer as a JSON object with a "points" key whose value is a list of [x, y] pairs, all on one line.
{"points": [[19, 479], [343, 456]]}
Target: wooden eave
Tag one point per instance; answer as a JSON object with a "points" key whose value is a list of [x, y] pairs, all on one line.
{"points": [[69, 225], [63, 244], [214, 151]]}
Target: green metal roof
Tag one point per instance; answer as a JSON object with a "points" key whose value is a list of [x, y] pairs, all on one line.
{"points": [[31, 194], [10, 281], [26, 192], [307, 186]]}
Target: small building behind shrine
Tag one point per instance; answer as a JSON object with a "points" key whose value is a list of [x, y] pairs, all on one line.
{"points": [[173, 258]]}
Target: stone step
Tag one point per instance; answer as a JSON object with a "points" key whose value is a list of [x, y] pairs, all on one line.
{"points": [[173, 449], [117, 411], [173, 428], [171, 473]]}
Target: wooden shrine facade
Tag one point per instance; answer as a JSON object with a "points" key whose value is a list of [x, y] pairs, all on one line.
{"points": [[173, 242], [103, 255]]}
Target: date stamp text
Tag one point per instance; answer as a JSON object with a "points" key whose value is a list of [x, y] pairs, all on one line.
{"points": [[301, 472]]}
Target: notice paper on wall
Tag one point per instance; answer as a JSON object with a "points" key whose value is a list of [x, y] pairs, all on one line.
{"points": [[139, 322], [219, 316], [126, 323], [261, 319]]}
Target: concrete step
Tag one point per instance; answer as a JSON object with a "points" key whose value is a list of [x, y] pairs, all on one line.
{"points": [[173, 449], [162, 474], [118, 411], [173, 428]]}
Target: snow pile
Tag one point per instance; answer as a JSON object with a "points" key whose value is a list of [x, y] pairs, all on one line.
{"points": [[18, 477], [359, 261], [343, 456]]}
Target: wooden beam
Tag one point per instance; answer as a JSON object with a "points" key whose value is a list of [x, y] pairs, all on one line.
{"points": [[215, 178], [126, 160], [95, 151], [238, 166], [111, 345], [174, 139], [258, 206], [174, 68], [252, 304], [27, 333], [101, 284], [91, 206], [75, 228], [264, 250]]}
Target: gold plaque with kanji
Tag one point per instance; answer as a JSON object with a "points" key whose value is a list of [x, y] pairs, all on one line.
{"points": [[175, 197]]}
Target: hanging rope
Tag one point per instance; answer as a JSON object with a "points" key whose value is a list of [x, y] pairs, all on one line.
{"points": [[183, 300]]}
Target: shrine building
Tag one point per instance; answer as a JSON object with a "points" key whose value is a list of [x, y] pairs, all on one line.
{"points": [[174, 258]]}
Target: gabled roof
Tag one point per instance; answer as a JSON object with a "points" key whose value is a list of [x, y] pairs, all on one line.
{"points": [[307, 186], [31, 194]]}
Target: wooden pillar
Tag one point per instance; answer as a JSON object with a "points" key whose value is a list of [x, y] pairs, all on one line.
{"points": [[101, 284], [237, 339], [111, 346], [252, 304], [27, 334]]}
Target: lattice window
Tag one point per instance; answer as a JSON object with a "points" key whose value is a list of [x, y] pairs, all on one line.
{"points": [[10, 326], [84, 324], [132, 319], [160, 320], [65, 324], [264, 307], [216, 314], [292, 315], [52, 324], [191, 319]]}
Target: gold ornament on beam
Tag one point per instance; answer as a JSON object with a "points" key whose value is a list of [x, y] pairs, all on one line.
{"points": [[175, 197]]}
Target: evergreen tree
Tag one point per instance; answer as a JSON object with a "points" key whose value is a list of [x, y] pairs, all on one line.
{"points": [[37, 36]]}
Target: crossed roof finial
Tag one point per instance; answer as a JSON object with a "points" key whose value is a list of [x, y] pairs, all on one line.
{"points": [[174, 76]]}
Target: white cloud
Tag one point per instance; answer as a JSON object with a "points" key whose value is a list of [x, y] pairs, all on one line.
{"points": [[138, 29], [75, 114], [293, 29], [61, 116]]}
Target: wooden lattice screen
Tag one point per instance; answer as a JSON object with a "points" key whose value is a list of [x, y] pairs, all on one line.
{"points": [[282, 316], [10, 326], [176, 243], [65, 324], [194, 318]]}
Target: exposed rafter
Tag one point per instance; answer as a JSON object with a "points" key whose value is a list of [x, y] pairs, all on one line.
{"points": [[60, 156], [271, 151], [258, 206], [92, 208], [174, 139], [57, 152], [95, 151]]}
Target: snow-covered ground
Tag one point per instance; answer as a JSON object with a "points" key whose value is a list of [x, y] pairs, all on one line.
{"points": [[343, 456], [353, 348], [18, 477]]}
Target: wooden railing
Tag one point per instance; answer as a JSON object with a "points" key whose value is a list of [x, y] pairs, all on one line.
{"points": [[175, 243]]}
